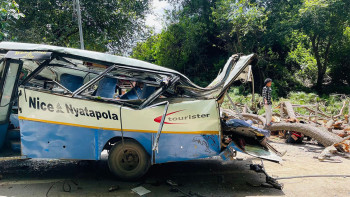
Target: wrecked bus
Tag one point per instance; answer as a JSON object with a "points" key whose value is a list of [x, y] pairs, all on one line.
{"points": [[64, 103]]}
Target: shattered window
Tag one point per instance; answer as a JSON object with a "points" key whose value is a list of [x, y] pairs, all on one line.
{"points": [[121, 84]]}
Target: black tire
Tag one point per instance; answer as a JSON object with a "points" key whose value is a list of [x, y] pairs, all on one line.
{"points": [[129, 161]]}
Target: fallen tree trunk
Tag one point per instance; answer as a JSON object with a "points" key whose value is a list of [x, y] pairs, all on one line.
{"points": [[322, 136], [255, 117]]}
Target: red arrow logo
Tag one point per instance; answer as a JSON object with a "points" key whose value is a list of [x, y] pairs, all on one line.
{"points": [[159, 118]]}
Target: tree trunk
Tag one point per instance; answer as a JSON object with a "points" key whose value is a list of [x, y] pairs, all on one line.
{"points": [[321, 67], [290, 110], [320, 75], [322, 136]]}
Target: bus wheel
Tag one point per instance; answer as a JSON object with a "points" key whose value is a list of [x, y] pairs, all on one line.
{"points": [[128, 161]]}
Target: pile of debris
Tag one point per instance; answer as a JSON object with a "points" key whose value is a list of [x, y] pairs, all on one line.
{"points": [[330, 131]]}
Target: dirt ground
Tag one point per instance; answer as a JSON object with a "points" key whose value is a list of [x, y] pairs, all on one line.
{"points": [[205, 177]]}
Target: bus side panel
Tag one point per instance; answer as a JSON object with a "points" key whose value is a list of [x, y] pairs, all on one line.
{"points": [[46, 140], [181, 147]]}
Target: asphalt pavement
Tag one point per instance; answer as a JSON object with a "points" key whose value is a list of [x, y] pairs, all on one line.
{"points": [[205, 177]]}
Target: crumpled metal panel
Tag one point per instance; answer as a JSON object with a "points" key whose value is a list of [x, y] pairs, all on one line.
{"points": [[175, 147]]}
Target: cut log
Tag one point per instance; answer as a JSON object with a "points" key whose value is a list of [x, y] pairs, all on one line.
{"points": [[329, 124], [290, 110], [322, 136]]}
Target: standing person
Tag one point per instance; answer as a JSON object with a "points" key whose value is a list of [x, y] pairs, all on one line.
{"points": [[266, 93]]}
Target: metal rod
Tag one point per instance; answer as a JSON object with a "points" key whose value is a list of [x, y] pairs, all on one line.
{"points": [[234, 106], [158, 92], [80, 26], [155, 145], [64, 88], [253, 87], [36, 71]]}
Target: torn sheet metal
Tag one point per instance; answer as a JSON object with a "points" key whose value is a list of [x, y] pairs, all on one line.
{"points": [[257, 151]]}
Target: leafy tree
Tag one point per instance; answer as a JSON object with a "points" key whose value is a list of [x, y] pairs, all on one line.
{"points": [[241, 24], [340, 61], [107, 24], [302, 59], [146, 50], [9, 11], [324, 22]]}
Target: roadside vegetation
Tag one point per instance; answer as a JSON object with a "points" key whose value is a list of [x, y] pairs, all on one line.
{"points": [[329, 104]]}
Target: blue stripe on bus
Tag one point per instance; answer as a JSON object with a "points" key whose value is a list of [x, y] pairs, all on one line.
{"points": [[97, 153]]}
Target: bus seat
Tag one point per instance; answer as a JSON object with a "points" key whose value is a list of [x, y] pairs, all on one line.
{"points": [[147, 91], [106, 87], [71, 82], [131, 94]]}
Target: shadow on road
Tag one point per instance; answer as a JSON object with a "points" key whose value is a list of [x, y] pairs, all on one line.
{"points": [[206, 177]]}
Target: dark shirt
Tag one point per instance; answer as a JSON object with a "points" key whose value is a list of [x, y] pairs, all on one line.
{"points": [[266, 93]]}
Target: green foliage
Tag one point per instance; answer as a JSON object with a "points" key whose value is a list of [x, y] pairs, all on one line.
{"points": [[324, 22], [147, 50], [9, 12], [308, 68], [239, 21], [330, 104], [106, 24]]}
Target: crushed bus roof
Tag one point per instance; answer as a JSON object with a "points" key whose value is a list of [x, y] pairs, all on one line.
{"points": [[104, 57]]}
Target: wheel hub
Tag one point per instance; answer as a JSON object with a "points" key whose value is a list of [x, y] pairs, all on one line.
{"points": [[129, 159]]}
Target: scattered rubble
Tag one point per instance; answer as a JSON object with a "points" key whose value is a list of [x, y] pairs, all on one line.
{"points": [[330, 131]]}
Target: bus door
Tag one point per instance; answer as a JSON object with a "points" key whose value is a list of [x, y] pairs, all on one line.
{"points": [[9, 73]]}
